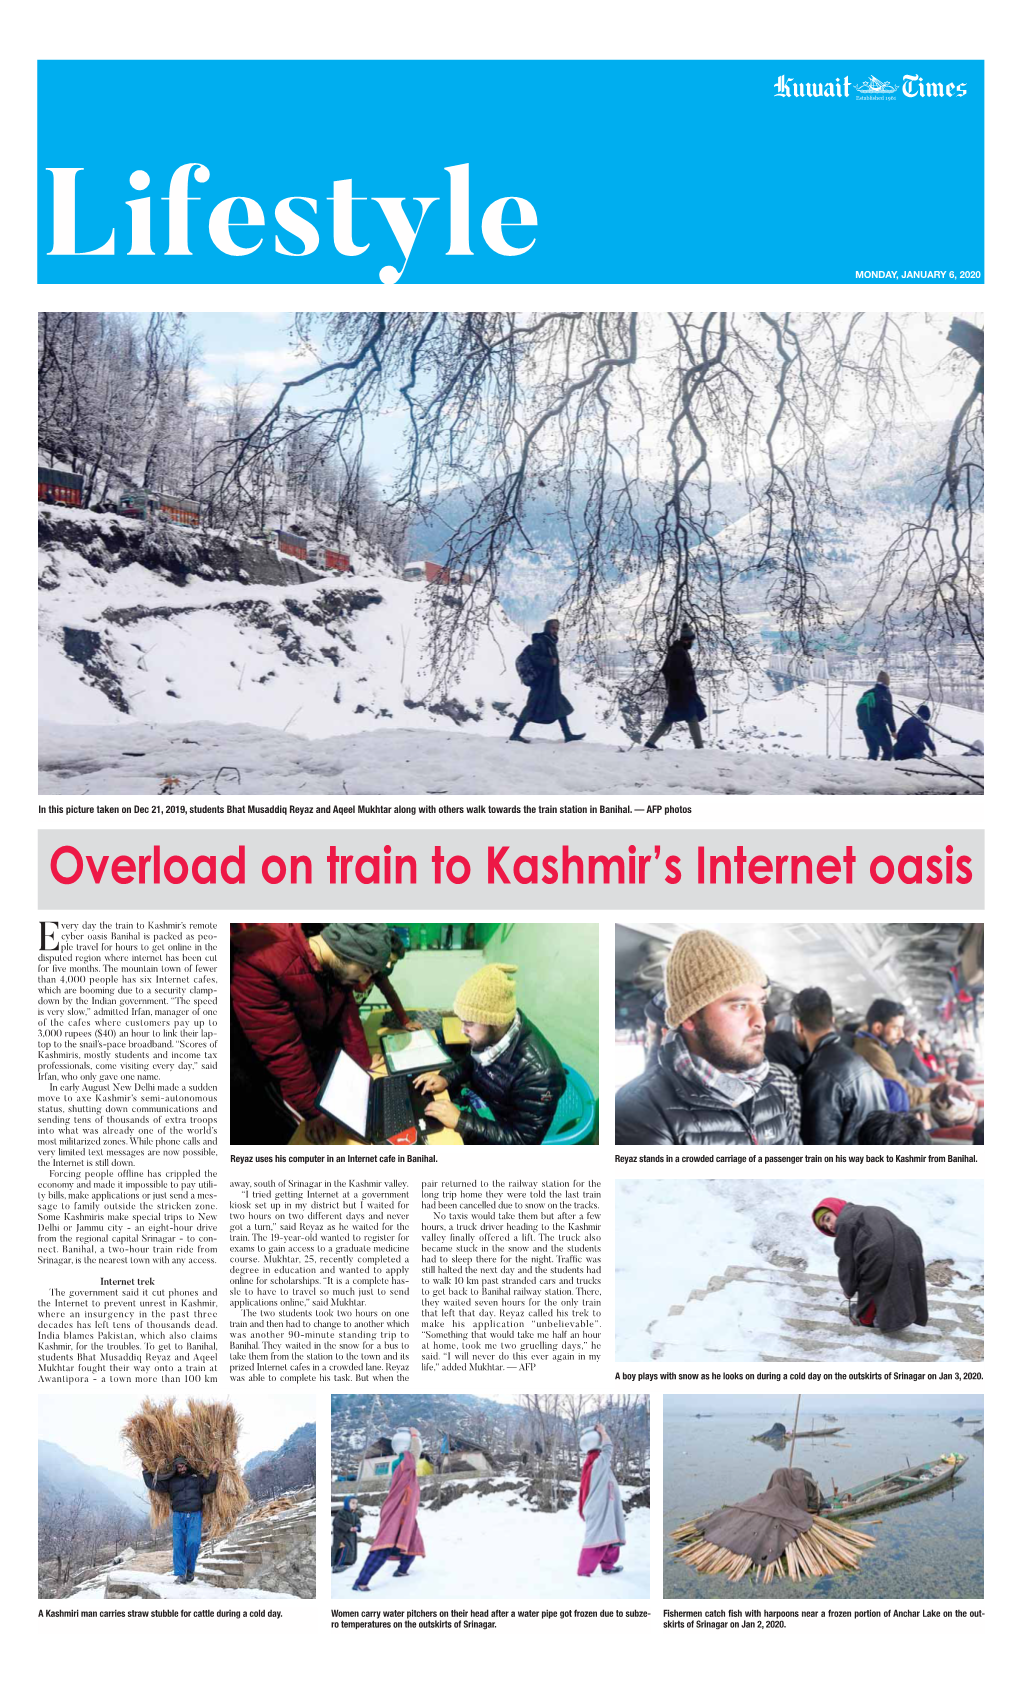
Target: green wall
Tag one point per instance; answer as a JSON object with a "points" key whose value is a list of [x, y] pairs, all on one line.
{"points": [[557, 985]]}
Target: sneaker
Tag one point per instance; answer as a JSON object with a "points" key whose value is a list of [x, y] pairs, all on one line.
{"points": [[189, 1578], [518, 739], [648, 746], [180, 1579], [572, 737]]}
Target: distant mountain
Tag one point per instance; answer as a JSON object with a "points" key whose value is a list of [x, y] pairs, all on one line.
{"points": [[303, 1435], [62, 1477]]}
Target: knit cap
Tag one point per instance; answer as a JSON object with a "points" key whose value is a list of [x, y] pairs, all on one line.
{"points": [[700, 968], [589, 1440], [488, 996]]}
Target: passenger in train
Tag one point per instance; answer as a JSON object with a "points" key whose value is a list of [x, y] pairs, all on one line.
{"points": [[887, 1126], [875, 1042], [712, 1082], [838, 1090]]}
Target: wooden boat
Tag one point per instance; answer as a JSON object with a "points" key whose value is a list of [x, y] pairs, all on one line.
{"points": [[823, 1432], [893, 1488]]}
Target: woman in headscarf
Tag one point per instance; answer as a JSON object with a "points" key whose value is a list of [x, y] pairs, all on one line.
{"points": [[398, 1538], [546, 702], [599, 1505], [881, 1264]]}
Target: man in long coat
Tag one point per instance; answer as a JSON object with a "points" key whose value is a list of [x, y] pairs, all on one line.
{"points": [[546, 702], [683, 701], [881, 1264]]}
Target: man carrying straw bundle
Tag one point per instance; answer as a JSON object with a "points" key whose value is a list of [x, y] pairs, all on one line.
{"points": [[186, 1490]]}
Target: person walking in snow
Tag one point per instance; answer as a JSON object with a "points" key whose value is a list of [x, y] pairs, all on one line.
{"points": [[881, 1264], [541, 668], [185, 1487], [913, 739], [683, 703], [599, 1505], [398, 1537], [876, 720]]}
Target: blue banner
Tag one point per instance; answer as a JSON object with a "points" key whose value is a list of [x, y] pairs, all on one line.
{"points": [[714, 171]]}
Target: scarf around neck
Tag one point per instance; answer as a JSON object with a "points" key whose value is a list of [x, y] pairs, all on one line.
{"points": [[485, 1058], [732, 1088]]}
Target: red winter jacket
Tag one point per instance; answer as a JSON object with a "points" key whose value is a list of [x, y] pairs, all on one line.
{"points": [[293, 1012]]}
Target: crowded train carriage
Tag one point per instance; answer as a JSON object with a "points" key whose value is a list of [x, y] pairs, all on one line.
{"points": [[806, 1032], [59, 486]]}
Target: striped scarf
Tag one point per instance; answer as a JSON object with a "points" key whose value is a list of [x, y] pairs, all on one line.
{"points": [[733, 1088]]}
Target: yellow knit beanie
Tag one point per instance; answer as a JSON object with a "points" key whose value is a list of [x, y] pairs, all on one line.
{"points": [[700, 968], [488, 996]]}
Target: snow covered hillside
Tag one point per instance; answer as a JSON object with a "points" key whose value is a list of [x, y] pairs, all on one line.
{"points": [[129, 635], [205, 757], [493, 1548], [674, 1239]]}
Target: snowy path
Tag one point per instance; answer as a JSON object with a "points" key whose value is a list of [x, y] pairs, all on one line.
{"points": [[124, 1585], [134, 757], [488, 1550], [807, 1312]]}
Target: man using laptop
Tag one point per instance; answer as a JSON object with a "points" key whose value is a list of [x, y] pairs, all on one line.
{"points": [[509, 1067], [294, 1008]]}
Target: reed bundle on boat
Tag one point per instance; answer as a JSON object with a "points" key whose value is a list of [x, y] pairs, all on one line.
{"points": [[825, 1547]]}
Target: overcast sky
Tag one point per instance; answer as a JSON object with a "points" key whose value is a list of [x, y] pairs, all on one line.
{"points": [[88, 1424]]}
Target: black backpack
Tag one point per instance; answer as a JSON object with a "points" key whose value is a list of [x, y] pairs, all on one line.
{"points": [[527, 668]]}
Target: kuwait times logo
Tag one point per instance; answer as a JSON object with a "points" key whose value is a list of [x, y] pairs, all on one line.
{"points": [[874, 88]]}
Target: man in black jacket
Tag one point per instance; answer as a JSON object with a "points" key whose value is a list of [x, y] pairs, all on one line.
{"points": [[683, 703], [876, 720], [511, 1080], [837, 1090], [712, 1083], [546, 702], [185, 1488]]}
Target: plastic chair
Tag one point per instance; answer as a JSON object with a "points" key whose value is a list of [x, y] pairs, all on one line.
{"points": [[575, 1112]]}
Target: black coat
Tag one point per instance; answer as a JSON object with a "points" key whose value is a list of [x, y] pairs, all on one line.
{"points": [[185, 1490], [909, 1062], [838, 1091], [781, 1046], [881, 714], [881, 1261], [913, 739], [346, 1524], [546, 703], [681, 685], [521, 1088], [664, 1107]]}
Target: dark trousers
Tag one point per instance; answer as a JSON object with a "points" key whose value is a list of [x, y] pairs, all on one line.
{"points": [[525, 717], [878, 741], [375, 1560]]}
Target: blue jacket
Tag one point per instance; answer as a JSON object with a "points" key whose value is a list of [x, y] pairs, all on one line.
{"points": [[914, 738]]}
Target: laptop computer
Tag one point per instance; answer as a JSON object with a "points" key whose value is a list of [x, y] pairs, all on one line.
{"points": [[383, 1111], [412, 1053]]}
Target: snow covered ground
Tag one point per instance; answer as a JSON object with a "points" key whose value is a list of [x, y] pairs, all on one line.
{"points": [[132, 757], [672, 1237], [495, 1550], [325, 686], [167, 1590]]}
